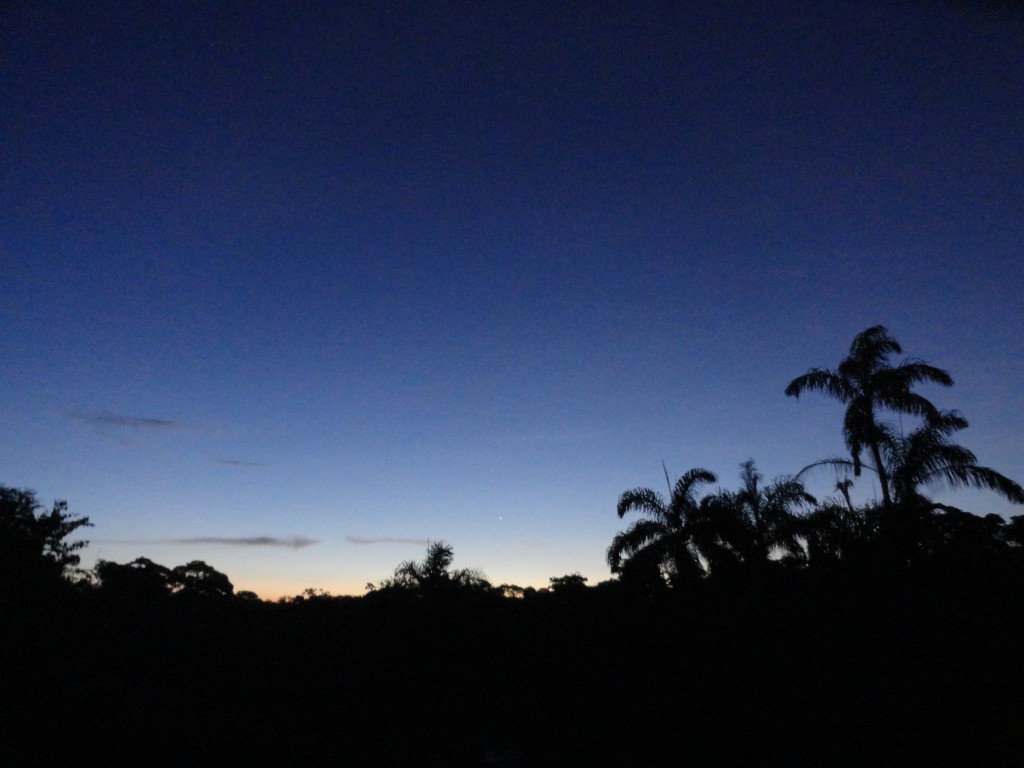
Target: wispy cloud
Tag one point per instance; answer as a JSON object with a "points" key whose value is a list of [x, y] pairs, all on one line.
{"points": [[239, 463], [385, 540], [567, 436], [297, 542], [107, 419]]}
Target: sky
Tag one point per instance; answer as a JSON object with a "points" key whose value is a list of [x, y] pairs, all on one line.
{"points": [[293, 288]]}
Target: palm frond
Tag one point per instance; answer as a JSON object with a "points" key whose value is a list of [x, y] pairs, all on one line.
{"points": [[873, 346], [750, 478], [845, 464], [686, 484], [786, 493], [973, 476], [911, 372], [821, 380], [638, 536], [903, 401], [642, 500]]}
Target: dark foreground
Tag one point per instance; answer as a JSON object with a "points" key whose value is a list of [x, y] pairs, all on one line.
{"points": [[922, 671]]}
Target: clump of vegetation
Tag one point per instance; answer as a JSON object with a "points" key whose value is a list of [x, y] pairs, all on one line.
{"points": [[686, 537], [35, 550], [434, 575]]}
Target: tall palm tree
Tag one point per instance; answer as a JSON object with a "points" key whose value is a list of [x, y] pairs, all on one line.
{"points": [[867, 383], [663, 536]]}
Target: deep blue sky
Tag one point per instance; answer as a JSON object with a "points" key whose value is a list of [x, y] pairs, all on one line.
{"points": [[389, 273]]}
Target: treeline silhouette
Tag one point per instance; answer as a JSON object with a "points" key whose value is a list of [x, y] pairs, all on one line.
{"points": [[756, 626]]}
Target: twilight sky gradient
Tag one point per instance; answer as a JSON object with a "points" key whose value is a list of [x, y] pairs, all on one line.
{"points": [[292, 288]]}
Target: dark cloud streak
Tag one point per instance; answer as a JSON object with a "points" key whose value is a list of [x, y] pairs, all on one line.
{"points": [[297, 542], [107, 419], [239, 463]]}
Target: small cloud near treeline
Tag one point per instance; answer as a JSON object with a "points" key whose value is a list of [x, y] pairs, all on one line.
{"points": [[385, 540]]}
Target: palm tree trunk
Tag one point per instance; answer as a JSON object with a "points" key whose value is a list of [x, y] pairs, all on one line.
{"points": [[876, 452], [883, 476]]}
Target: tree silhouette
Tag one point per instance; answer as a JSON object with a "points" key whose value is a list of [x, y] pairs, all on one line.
{"points": [[752, 525], [662, 539], [433, 575], [911, 463], [926, 456], [34, 547], [969, 538], [202, 580], [835, 530], [1014, 532], [867, 383], [571, 583], [141, 579]]}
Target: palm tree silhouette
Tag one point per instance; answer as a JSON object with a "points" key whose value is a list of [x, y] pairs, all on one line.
{"points": [[663, 536], [926, 457], [755, 523], [434, 574], [867, 383], [835, 530]]}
